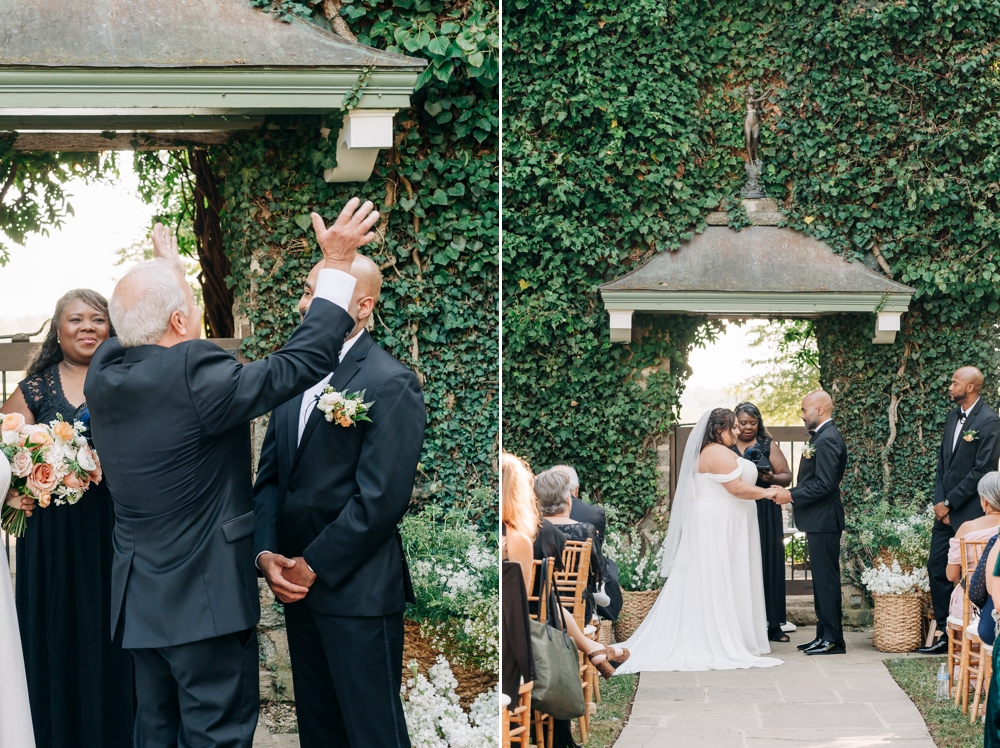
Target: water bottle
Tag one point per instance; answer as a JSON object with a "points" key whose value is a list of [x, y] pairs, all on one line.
{"points": [[942, 684]]}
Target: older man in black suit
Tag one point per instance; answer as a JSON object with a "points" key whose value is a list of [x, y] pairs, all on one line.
{"points": [[970, 448], [329, 497], [170, 415]]}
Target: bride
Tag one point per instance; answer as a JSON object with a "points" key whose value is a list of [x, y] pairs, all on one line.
{"points": [[15, 715], [710, 615]]}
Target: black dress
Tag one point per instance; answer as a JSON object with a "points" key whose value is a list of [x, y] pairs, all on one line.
{"points": [[79, 681], [772, 551]]}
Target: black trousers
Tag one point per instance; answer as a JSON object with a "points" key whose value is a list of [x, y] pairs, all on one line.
{"points": [[206, 693], [937, 572], [824, 560], [347, 672]]}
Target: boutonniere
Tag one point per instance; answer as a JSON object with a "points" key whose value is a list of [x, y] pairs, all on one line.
{"points": [[808, 451], [971, 435], [346, 408]]}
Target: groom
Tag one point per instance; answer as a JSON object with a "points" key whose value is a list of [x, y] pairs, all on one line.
{"points": [[329, 495], [820, 514], [170, 415]]}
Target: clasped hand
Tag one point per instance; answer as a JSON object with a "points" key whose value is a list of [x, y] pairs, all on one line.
{"points": [[778, 495], [288, 578]]}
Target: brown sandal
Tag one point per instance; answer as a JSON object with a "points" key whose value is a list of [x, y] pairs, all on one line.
{"points": [[610, 652], [605, 668]]}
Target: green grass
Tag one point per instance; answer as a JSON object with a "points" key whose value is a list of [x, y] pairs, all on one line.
{"points": [[612, 713], [948, 726]]}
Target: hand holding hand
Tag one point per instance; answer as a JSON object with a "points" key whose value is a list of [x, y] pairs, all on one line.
{"points": [[273, 564], [783, 496], [941, 512], [14, 499], [351, 230], [299, 573], [165, 244]]}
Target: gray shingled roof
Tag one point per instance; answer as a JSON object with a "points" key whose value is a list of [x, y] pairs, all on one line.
{"points": [[171, 34], [763, 259]]}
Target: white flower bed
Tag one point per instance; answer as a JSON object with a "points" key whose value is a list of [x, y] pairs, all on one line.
{"points": [[435, 719], [885, 580]]}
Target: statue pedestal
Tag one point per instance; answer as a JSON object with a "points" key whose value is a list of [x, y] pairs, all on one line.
{"points": [[752, 189]]}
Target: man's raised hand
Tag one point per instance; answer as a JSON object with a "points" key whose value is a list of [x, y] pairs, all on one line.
{"points": [[351, 230], [164, 244]]}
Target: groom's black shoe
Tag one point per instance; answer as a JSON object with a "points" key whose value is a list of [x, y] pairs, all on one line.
{"points": [[827, 648], [939, 647], [809, 645]]}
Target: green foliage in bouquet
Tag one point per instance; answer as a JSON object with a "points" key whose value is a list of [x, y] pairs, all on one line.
{"points": [[638, 559], [455, 564], [437, 244], [880, 139]]}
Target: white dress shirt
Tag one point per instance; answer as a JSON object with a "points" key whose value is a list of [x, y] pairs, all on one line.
{"points": [[309, 396], [960, 424]]}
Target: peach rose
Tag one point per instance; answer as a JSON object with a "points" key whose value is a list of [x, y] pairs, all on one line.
{"points": [[44, 499], [64, 431], [72, 481], [21, 464], [42, 479], [343, 420], [12, 422], [40, 439]]}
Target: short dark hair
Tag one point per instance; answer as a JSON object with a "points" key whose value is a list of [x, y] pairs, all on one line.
{"points": [[719, 420]]}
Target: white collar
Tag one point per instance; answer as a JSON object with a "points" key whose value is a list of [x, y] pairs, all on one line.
{"points": [[816, 430], [966, 412], [349, 343]]}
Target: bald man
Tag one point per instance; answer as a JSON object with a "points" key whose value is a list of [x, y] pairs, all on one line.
{"points": [[329, 498], [970, 448], [820, 514]]}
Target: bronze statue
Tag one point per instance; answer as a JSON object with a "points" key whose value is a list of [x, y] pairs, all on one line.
{"points": [[751, 128]]}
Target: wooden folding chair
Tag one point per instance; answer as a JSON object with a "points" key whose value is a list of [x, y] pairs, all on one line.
{"points": [[981, 672], [516, 727], [971, 652], [570, 585]]}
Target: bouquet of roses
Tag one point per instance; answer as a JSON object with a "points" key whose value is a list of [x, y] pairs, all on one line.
{"points": [[50, 463]]}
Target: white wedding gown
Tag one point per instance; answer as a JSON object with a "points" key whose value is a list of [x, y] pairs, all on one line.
{"points": [[710, 614], [15, 715]]}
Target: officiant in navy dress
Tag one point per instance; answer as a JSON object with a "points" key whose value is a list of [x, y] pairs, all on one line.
{"points": [[755, 444]]}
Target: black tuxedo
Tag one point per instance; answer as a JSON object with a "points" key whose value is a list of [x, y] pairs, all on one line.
{"points": [[581, 511], [336, 498], [820, 513], [955, 482], [171, 426]]}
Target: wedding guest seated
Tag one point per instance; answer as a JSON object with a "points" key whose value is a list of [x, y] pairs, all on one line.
{"points": [[979, 529], [555, 500], [548, 543], [979, 594]]}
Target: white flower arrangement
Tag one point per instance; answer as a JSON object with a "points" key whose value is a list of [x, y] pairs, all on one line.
{"points": [[639, 563], [885, 580], [434, 717]]}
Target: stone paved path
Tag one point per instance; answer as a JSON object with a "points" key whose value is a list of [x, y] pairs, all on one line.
{"points": [[263, 739], [839, 701]]}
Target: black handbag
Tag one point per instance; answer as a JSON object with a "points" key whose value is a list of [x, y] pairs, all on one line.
{"points": [[557, 689]]}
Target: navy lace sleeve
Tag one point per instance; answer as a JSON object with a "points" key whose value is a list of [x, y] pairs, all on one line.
{"points": [[977, 584]]}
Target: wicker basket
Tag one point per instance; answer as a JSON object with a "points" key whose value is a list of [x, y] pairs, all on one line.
{"points": [[898, 622], [604, 634], [635, 606]]}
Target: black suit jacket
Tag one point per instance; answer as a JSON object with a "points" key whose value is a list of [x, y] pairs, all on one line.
{"points": [[172, 428], [958, 472], [816, 495], [581, 511], [337, 497]]}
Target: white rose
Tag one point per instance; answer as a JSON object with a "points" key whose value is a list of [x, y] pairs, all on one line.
{"points": [[11, 437], [350, 408], [86, 460]]}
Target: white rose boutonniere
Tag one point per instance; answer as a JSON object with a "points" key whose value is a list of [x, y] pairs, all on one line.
{"points": [[346, 408], [808, 451]]}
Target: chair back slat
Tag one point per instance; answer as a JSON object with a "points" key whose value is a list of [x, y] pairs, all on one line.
{"points": [[571, 582], [535, 590]]}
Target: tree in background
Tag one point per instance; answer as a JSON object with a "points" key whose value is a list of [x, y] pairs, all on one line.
{"points": [[777, 383]]}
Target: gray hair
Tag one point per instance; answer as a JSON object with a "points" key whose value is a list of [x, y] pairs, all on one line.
{"points": [[989, 489], [141, 308], [553, 491], [574, 479]]}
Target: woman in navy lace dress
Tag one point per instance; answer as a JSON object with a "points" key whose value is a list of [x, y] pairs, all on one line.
{"points": [[79, 681]]}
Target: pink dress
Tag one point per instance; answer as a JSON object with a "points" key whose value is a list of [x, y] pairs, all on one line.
{"points": [[955, 557]]}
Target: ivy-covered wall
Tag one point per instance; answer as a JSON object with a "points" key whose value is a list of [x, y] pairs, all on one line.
{"points": [[880, 138], [437, 190]]}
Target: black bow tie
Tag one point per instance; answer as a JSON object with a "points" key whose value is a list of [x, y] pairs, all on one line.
{"points": [[962, 415], [812, 432]]}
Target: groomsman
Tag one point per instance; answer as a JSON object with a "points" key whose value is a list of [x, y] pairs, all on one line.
{"points": [[820, 514], [970, 448]]}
